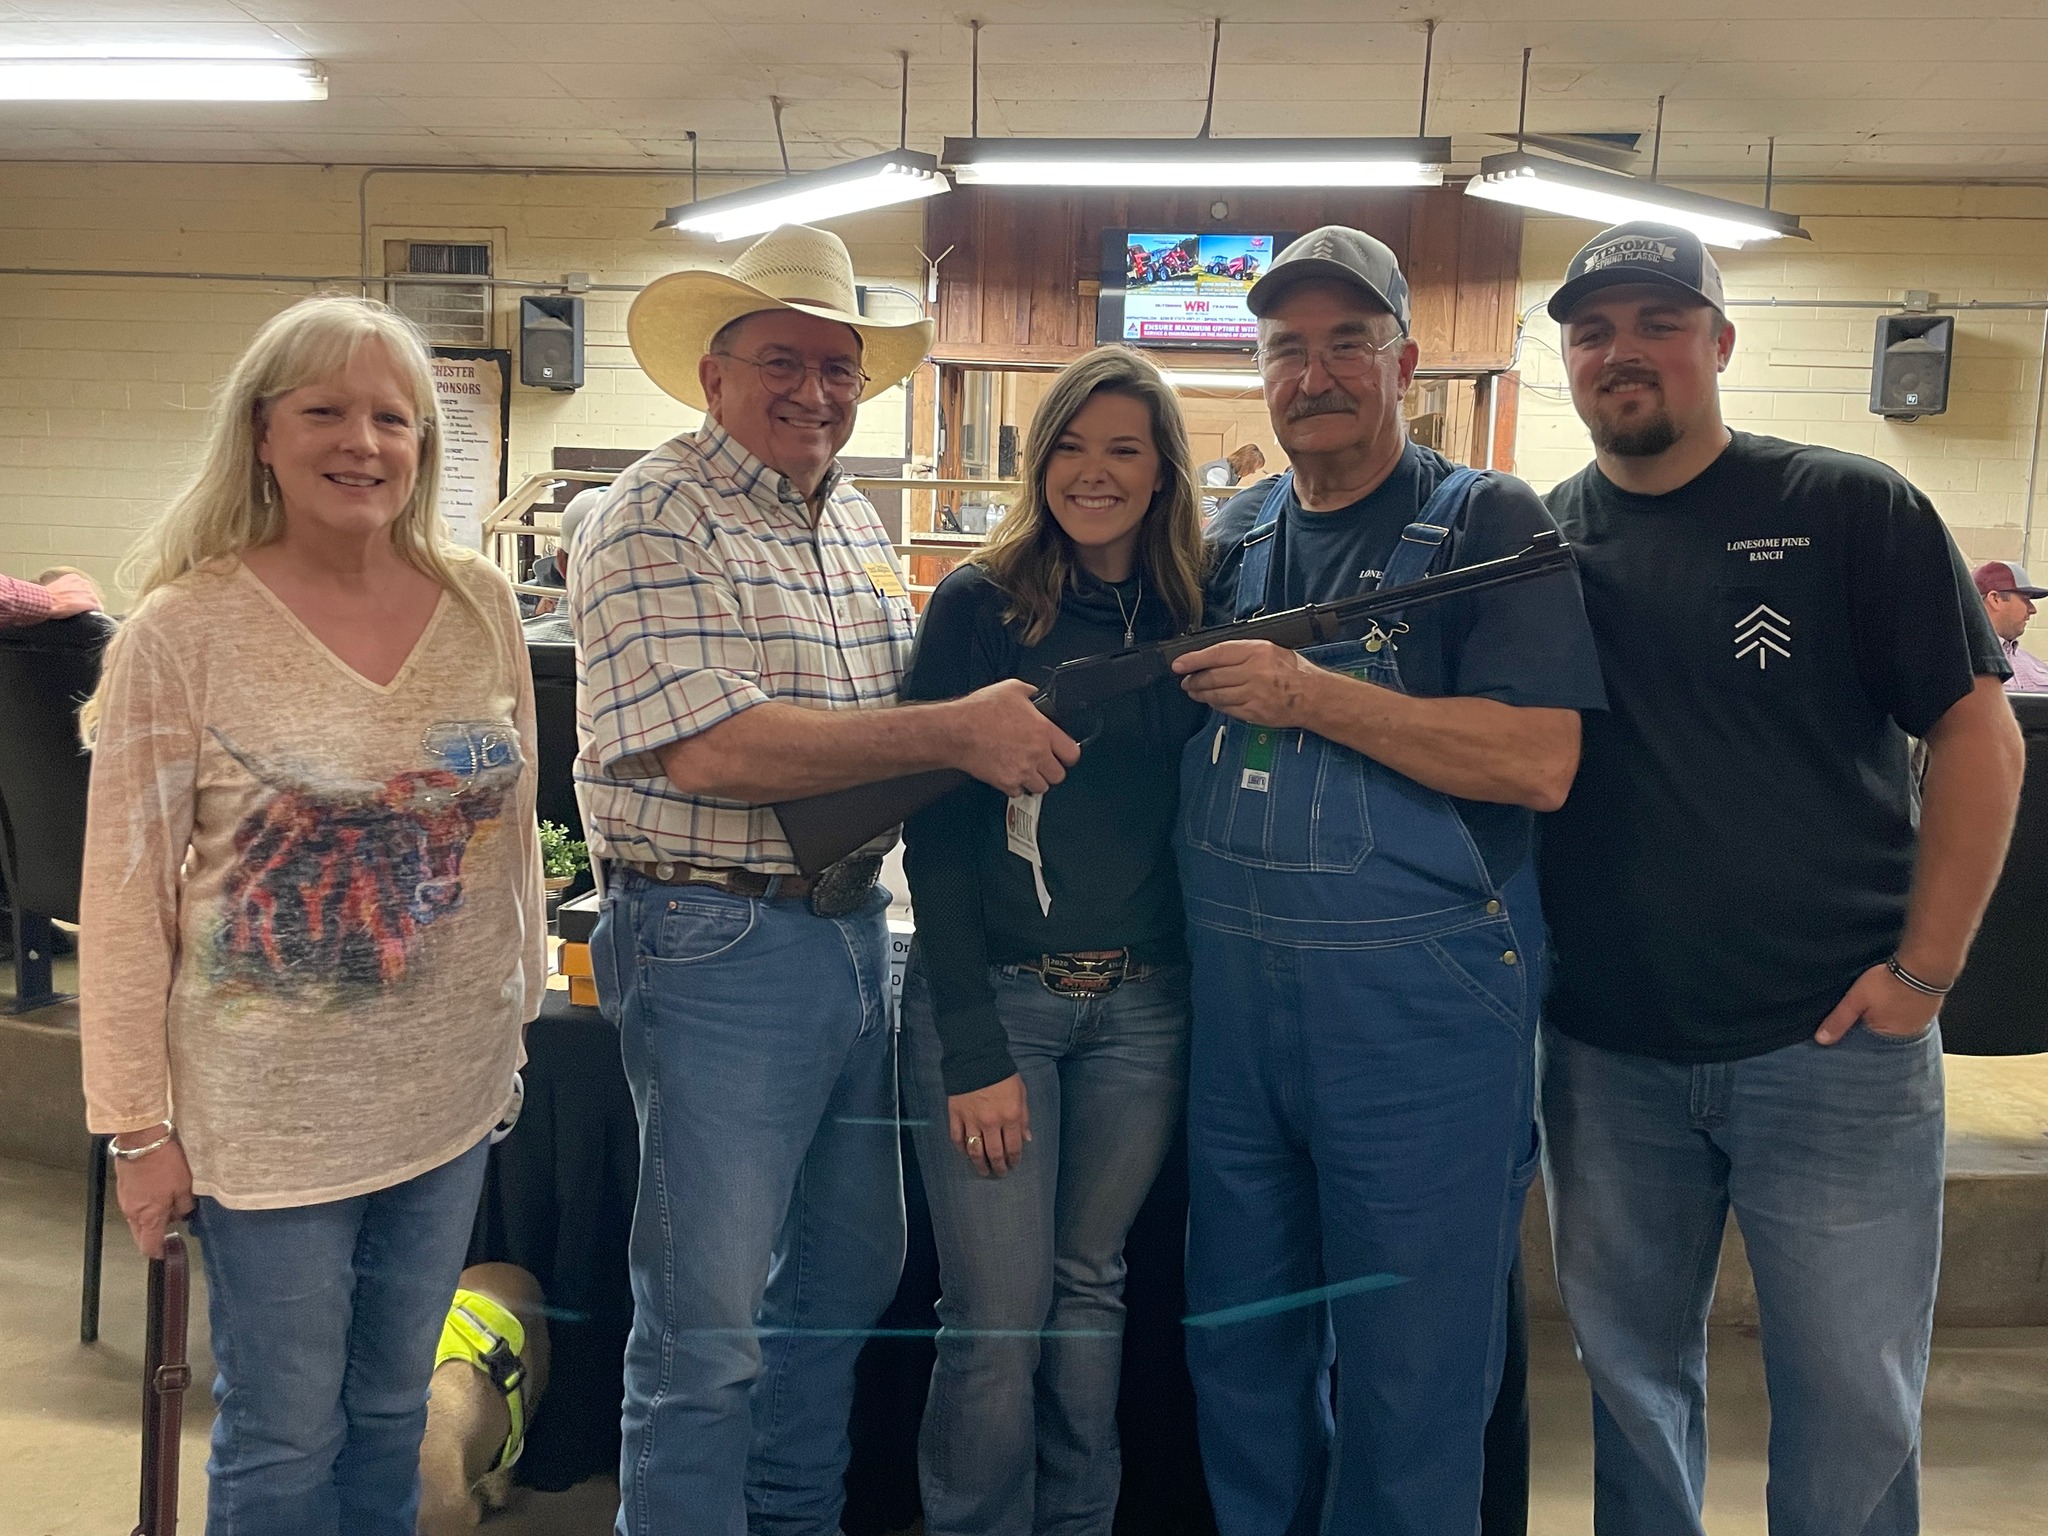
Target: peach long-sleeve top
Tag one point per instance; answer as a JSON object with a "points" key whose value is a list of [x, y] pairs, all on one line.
{"points": [[312, 915]]}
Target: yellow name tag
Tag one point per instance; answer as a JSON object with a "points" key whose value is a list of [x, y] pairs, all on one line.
{"points": [[886, 581]]}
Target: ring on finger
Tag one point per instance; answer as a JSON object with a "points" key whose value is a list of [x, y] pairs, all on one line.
{"points": [[974, 1141]]}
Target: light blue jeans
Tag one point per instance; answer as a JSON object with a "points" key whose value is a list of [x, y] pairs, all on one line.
{"points": [[768, 1228], [1019, 1432], [325, 1319], [1831, 1158]]}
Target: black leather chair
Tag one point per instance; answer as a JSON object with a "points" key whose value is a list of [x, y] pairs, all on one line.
{"points": [[2000, 1006], [554, 702], [46, 672]]}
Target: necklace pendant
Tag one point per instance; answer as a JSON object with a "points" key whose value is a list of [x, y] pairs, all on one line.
{"points": [[1127, 638]]}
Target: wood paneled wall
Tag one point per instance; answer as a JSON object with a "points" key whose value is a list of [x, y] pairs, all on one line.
{"points": [[1011, 289]]}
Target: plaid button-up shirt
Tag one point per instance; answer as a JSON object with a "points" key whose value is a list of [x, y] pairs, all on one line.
{"points": [[698, 589]]}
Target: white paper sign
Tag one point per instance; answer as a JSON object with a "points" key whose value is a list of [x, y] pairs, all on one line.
{"points": [[470, 391], [1021, 824]]}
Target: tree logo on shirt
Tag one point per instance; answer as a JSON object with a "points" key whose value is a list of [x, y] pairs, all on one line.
{"points": [[1763, 632]]}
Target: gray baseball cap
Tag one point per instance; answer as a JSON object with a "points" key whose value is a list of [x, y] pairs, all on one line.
{"points": [[1342, 255], [1639, 253], [581, 505]]}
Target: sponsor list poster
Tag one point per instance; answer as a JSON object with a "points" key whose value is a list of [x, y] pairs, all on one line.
{"points": [[471, 393]]}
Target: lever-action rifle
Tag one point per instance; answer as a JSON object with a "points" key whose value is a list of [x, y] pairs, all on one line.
{"points": [[823, 829]]}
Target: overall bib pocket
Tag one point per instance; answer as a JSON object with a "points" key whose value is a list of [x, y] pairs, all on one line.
{"points": [[1276, 799]]}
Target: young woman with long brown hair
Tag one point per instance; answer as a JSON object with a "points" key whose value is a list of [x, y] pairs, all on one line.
{"points": [[1045, 1017]]}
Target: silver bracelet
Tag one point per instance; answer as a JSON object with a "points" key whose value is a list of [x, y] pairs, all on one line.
{"points": [[1924, 988], [129, 1154]]}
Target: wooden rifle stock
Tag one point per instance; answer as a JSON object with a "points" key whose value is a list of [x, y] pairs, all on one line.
{"points": [[823, 829]]}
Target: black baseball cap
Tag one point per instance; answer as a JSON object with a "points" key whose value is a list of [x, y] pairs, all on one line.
{"points": [[1349, 256], [1639, 253]]}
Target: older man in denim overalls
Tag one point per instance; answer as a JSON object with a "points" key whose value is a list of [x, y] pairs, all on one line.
{"points": [[1356, 826]]}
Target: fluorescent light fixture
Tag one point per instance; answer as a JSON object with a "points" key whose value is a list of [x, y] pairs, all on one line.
{"points": [[1198, 162], [1608, 197], [879, 181], [1245, 381], [174, 79]]}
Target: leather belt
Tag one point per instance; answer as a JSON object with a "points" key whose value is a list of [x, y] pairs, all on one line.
{"points": [[838, 891], [734, 882], [1086, 972]]}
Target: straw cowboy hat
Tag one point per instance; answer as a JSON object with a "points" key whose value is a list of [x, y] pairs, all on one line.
{"points": [[795, 267]]}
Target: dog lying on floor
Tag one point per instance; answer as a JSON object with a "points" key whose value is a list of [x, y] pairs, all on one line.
{"points": [[492, 1372]]}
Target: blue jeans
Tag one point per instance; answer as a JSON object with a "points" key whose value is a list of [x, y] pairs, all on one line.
{"points": [[1831, 1158], [1354, 1115], [768, 1229], [1020, 1430], [325, 1319]]}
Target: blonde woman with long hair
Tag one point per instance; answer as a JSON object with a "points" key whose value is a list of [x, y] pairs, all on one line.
{"points": [[312, 914], [1045, 1021]]}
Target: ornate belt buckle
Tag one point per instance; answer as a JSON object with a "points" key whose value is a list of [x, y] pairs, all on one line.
{"points": [[1082, 976], [844, 887]]}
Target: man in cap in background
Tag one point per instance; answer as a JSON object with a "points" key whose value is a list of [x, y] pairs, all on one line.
{"points": [[552, 568], [1356, 862], [1751, 940], [741, 632], [2009, 603]]}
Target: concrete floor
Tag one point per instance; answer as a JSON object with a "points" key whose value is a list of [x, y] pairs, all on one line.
{"points": [[68, 1441]]}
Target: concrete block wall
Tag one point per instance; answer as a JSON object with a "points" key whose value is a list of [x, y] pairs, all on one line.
{"points": [[1804, 373], [104, 383]]}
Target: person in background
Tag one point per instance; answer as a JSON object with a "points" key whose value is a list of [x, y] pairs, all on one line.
{"points": [[312, 919], [552, 568], [741, 631], [2009, 603], [548, 623], [1357, 861], [59, 593], [1219, 476], [1752, 935], [1045, 1006]]}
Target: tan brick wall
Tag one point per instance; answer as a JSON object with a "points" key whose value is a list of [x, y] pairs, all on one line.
{"points": [[104, 383], [1804, 374]]}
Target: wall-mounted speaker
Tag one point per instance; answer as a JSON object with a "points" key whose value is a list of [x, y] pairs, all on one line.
{"points": [[551, 340], [1909, 366]]}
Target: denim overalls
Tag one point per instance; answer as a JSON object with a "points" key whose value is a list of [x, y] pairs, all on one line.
{"points": [[1361, 1123]]}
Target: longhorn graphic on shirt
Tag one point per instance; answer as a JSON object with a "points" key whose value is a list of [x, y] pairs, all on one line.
{"points": [[335, 881], [1763, 632]]}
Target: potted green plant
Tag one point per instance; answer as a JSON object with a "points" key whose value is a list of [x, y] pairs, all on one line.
{"points": [[562, 859]]}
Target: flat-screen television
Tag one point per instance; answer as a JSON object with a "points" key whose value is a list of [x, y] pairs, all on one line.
{"points": [[1181, 290]]}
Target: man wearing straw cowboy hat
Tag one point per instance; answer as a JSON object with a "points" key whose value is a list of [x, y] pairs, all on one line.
{"points": [[741, 626]]}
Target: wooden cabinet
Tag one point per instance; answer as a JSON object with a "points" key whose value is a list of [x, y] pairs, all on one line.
{"points": [[1018, 286]]}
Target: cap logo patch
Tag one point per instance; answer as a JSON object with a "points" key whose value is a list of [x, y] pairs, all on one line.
{"points": [[1632, 249]]}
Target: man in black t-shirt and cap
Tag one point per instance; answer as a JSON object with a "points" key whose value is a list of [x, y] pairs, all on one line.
{"points": [[1752, 935]]}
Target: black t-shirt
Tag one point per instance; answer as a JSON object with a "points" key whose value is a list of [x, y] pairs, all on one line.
{"points": [[1526, 645], [1104, 833], [1739, 843]]}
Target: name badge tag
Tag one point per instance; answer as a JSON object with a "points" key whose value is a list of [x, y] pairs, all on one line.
{"points": [[885, 580], [1020, 827], [1258, 761]]}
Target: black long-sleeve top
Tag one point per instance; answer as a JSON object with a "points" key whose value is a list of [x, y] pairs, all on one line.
{"points": [[1104, 834]]}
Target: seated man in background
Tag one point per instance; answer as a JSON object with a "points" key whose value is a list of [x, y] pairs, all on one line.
{"points": [[2009, 603], [59, 593], [552, 568]]}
